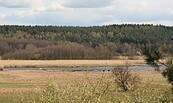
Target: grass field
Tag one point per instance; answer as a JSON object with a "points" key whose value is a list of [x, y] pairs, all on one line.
{"points": [[23, 86], [56, 63]]}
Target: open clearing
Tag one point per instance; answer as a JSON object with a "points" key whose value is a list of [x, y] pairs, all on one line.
{"points": [[17, 81], [16, 84], [66, 63]]}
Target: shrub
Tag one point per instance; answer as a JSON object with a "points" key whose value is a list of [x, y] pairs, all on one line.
{"points": [[102, 89], [125, 80], [153, 57]]}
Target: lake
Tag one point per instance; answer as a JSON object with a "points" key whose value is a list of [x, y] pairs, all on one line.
{"points": [[93, 69]]}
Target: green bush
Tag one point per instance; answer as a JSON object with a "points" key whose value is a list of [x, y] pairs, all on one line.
{"points": [[153, 57]]}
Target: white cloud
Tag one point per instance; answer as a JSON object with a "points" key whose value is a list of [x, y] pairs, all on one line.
{"points": [[86, 12], [2, 16], [49, 6], [15, 3], [87, 3]]}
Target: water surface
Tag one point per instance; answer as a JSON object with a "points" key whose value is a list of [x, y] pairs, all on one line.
{"points": [[94, 69]]}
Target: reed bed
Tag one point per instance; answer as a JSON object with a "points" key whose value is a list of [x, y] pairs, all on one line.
{"points": [[66, 63]]}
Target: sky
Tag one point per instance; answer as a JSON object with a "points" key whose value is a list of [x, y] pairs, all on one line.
{"points": [[85, 12]]}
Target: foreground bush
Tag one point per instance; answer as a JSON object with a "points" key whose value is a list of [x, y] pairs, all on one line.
{"points": [[102, 90], [126, 80], [153, 58]]}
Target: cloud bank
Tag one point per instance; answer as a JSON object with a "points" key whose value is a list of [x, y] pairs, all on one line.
{"points": [[87, 3], [85, 12]]}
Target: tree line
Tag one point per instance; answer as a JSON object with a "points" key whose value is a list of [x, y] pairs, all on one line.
{"points": [[68, 42]]}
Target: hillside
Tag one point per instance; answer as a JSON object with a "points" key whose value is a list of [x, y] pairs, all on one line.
{"points": [[97, 42]]}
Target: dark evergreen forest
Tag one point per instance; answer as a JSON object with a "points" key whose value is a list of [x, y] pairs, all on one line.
{"points": [[68, 42]]}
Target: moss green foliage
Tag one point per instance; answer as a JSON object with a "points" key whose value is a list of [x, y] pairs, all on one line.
{"points": [[168, 72], [153, 58]]}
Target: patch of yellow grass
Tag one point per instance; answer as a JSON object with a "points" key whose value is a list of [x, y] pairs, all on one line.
{"points": [[1, 66], [129, 57], [39, 77], [4, 91], [56, 63]]}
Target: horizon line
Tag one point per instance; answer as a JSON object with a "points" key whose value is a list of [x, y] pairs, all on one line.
{"points": [[117, 24]]}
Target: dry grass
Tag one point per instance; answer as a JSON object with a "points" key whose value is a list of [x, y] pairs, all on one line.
{"points": [[6, 91], [79, 87], [66, 63], [1, 66], [25, 81], [129, 57], [39, 77]]}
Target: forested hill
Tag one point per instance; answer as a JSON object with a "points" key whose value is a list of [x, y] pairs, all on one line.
{"points": [[97, 42]]}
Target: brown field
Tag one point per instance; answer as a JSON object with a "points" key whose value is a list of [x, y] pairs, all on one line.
{"points": [[66, 63], [27, 81]]}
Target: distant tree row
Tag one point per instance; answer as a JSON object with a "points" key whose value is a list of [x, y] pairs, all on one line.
{"points": [[97, 42]]}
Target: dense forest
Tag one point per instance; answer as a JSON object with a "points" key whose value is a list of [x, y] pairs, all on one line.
{"points": [[68, 42]]}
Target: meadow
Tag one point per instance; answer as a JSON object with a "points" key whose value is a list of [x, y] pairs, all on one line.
{"points": [[38, 86], [66, 63]]}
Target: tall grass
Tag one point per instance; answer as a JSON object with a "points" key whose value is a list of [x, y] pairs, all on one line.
{"points": [[64, 63], [101, 90]]}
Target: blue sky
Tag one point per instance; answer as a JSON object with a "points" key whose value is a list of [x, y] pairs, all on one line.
{"points": [[85, 12]]}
